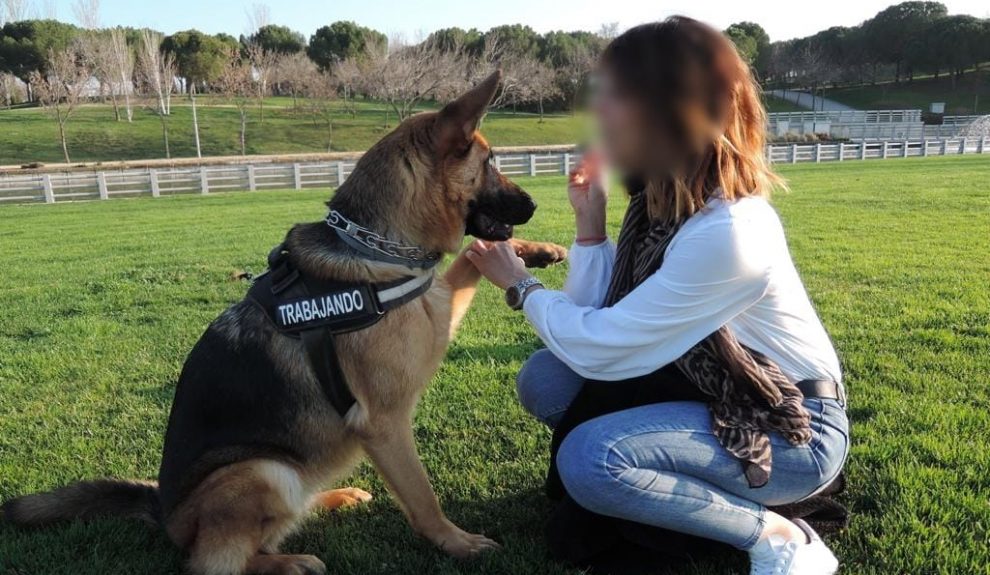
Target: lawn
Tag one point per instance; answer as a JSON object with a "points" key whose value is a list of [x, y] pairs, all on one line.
{"points": [[102, 300], [959, 99], [29, 134]]}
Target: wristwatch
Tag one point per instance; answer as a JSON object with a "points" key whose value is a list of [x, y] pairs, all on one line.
{"points": [[515, 296]]}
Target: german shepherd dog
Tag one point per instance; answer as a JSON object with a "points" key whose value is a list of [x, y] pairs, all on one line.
{"points": [[252, 439]]}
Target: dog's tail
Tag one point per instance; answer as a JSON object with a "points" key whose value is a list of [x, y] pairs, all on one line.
{"points": [[86, 500]]}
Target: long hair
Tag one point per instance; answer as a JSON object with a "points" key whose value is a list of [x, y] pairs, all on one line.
{"points": [[701, 97]]}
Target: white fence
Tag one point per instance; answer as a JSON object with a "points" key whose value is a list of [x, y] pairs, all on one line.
{"points": [[842, 151], [91, 185], [127, 183]]}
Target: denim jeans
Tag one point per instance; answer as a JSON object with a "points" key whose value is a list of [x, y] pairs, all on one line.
{"points": [[661, 464]]}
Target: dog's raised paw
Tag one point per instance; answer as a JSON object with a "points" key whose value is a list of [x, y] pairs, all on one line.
{"points": [[539, 254]]}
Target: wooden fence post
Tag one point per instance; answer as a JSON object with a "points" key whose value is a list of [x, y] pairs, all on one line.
{"points": [[862, 150], [794, 151], [567, 163], [46, 182], [962, 146], [884, 155], [252, 182], [924, 148], [498, 163], [101, 184], [982, 145], [904, 152], [204, 180], [532, 164], [156, 190], [340, 174], [945, 146], [818, 153], [297, 176], [842, 151]]}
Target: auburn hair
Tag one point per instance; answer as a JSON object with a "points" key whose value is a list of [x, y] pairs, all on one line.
{"points": [[702, 97]]}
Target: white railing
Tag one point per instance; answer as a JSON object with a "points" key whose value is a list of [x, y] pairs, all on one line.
{"points": [[847, 151], [170, 181], [847, 116]]}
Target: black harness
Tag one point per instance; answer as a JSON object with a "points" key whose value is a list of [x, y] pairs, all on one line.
{"points": [[314, 311]]}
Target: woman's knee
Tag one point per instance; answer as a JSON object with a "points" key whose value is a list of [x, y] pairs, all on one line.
{"points": [[582, 462], [546, 386]]}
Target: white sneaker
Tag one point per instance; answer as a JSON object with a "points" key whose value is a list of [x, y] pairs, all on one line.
{"points": [[775, 556]]}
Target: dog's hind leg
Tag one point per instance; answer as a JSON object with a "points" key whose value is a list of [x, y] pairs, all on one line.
{"points": [[337, 498], [240, 512]]}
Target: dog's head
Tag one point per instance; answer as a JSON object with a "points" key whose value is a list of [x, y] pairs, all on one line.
{"points": [[441, 179]]}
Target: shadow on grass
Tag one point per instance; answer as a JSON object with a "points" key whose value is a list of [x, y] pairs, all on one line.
{"points": [[372, 539]]}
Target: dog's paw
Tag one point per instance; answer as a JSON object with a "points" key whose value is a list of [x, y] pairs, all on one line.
{"points": [[344, 497], [456, 542], [539, 254]]}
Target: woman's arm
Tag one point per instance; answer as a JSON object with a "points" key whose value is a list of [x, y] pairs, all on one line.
{"points": [[708, 278], [590, 273], [592, 256]]}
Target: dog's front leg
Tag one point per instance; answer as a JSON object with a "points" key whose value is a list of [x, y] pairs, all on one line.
{"points": [[393, 452], [462, 278]]}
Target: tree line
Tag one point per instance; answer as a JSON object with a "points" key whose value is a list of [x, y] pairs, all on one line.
{"points": [[60, 65], [899, 43]]}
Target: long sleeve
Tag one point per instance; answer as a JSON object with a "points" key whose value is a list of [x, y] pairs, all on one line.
{"points": [[711, 273], [590, 273]]}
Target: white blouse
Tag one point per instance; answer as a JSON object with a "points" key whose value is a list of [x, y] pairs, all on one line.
{"points": [[727, 265]]}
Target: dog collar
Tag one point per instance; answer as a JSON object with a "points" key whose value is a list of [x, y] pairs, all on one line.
{"points": [[375, 247]]}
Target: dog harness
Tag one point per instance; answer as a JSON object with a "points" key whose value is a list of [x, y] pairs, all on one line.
{"points": [[314, 310]]}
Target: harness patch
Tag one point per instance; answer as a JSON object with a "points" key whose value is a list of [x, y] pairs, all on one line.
{"points": [[340, 305]]}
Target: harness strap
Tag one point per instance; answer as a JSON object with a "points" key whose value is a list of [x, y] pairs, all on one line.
{"points": [[283, 284]]}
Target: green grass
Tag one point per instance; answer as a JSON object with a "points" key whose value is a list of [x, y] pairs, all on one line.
{"points": [[30, 135], [102, 300], [919, 94]]}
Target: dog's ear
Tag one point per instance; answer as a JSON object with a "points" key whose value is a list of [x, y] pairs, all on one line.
{"points": [[459, 119]]}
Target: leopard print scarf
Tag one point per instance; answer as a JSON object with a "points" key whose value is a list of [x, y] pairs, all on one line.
{"points": [[750, 396]]}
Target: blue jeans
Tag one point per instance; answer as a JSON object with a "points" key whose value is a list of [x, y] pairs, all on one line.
{"points": [[661, 464]]}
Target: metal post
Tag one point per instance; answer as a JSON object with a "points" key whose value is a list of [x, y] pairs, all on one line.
{"points": [[46, 182], [297, 176], [252, 183], [101, 183], [204, 181], [532, 164], [156, 190]]}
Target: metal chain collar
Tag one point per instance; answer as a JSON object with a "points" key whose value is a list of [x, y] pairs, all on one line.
{"points": [[389, 250]]}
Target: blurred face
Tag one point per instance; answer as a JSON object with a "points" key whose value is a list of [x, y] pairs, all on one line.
{"points": [[620, 121]]}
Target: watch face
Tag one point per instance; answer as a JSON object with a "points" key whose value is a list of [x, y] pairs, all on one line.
{"points": [[513, 297]]}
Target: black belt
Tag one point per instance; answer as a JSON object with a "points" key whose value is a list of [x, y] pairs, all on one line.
{"points": [[823, 389]]}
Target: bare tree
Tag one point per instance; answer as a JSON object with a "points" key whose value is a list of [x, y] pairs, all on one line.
{"points": [[263, 63], [87, 13], [11, 89], [258, 16], [539, 84], [16, 10], [293, 74], [321, 95], [122, 66], [406, 75], [60, 89], [158, 72], [236, 84], [349, 75], [609, 31]]}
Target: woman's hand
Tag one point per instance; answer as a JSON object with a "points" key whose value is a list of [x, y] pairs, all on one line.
{"points": [[588, 192], [498, 262]]}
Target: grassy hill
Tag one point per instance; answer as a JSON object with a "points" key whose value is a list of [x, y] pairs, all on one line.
{"points": [[29, 135], [959, 98], [105, 299]]}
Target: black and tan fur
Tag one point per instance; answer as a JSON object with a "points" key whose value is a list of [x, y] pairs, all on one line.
{"points": [[252, 440]]}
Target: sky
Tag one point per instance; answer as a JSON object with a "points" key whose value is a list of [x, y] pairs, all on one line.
{"points": [[413, 19]]}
